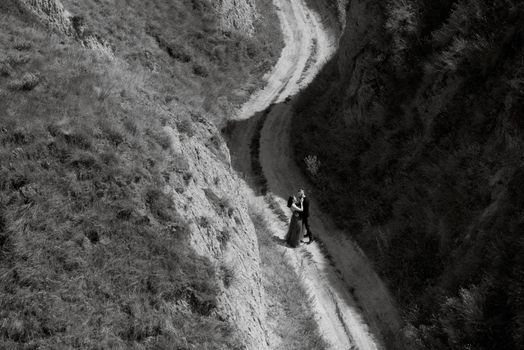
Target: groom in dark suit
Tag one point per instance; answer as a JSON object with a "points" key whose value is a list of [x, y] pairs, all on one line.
{"points": [[305, 215]]}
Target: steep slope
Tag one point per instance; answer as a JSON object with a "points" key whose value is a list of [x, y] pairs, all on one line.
{"points": [[121, 223], [421, 107]]}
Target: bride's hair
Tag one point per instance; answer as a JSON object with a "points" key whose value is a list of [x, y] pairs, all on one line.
{"points": [[290, 201]]}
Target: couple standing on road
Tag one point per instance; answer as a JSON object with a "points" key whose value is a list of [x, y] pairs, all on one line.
{"points": [[299, 225]]}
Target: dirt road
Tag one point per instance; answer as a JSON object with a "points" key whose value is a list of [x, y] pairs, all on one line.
{"points": [[353, 306]]}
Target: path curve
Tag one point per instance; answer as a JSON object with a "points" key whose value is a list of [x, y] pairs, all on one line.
{"points": [[304, 37], [344, 286]]}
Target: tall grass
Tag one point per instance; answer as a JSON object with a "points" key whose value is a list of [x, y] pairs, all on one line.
{"points": [[93, 253]]}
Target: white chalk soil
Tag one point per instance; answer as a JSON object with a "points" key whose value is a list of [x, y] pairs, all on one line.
{"points": [[353, 307]]}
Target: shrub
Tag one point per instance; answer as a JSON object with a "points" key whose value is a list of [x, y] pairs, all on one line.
{"points": [[28, 82], [185, 126], [80, 27], [402, 24], [223, 205], [187, 176], [78, 137], [22, 45], [131, 126], [109, 157], [111, 133], [162, 138], [227, 275], [223, 237], [226, 206], [160, 204], [204, 222], [17, 59], [200, 70], [312, 165], [5, 69], [104, 91]]}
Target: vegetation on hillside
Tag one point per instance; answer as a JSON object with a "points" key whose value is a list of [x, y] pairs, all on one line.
{"points": [[92, 252], [183, 42], [429, 181]]}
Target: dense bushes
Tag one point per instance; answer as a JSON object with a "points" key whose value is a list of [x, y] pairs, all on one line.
{"points": [[426, 181]]}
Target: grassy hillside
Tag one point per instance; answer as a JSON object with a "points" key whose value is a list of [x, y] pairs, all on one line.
{"points": [[92, 252], [182, 42], [422, 110]]}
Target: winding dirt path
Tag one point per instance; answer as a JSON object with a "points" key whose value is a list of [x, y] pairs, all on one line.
{"points": [[353, 306]]}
